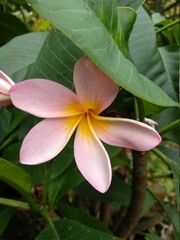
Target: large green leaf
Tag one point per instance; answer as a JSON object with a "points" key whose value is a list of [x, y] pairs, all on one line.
{"points": [[77, 20], [20, 53], [71, 230], [164, 69], [130, 3], [142, 41], [56, 59]]}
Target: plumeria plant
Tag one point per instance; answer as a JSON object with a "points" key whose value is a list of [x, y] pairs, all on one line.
{"points": [[89, 123]]}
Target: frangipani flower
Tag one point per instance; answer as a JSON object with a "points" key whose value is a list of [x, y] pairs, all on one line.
{"points": [[5, 84], [65, 111]]}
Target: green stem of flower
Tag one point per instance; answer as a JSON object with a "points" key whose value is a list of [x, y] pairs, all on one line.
{"points": [[168, 26], [139, 109], [47, 176], [162, 156], [14, 203], [169, 127]]}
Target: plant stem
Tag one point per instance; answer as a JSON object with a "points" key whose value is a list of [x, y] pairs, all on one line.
{"points": [[168, 26], [169, 127], [162, 156], [138, 195], [139, 109], [15, 203], [47, 176]]}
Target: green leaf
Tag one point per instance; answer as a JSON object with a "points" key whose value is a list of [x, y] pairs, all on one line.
{"points": [[174, 218], [56, 59], [63, 183], [166, 117], [118, 193], [5, 216], [142, 41], [173, 155], [11, 153], [151, 236], [126, 19], [71, 230], [164, 69], [10, 27], [130, 3], [5, 121], [148, 203], [65, 176], [15, 176], [76, 214], [20, 53], [80, 24], [18, 179]]}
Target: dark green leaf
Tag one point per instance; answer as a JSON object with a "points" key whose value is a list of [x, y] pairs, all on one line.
{"points": [[5, 216], [65, 175], [148, 203], [5, 121], [63, 183], [71, 230], [166, 117], [11, 153], [76, 214], [163, 69], [10, 27], [118, 193], [80, 23]]}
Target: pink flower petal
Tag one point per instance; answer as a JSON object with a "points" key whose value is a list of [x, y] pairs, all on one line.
{"points": [[45, 98], [95, 89], [5, 83], [47, 139], [125, 133], [91, 157]]}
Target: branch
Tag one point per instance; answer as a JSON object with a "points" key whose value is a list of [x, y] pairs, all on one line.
{"points": [[138, 195]]}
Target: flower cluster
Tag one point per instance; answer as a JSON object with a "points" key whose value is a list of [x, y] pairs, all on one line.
{"points": [[65, 111]]}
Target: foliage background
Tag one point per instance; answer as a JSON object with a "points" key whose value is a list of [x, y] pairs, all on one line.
{"points": [[68, 208]]}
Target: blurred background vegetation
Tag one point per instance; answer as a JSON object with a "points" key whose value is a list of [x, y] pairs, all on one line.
{"points": [[17, 18]]}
